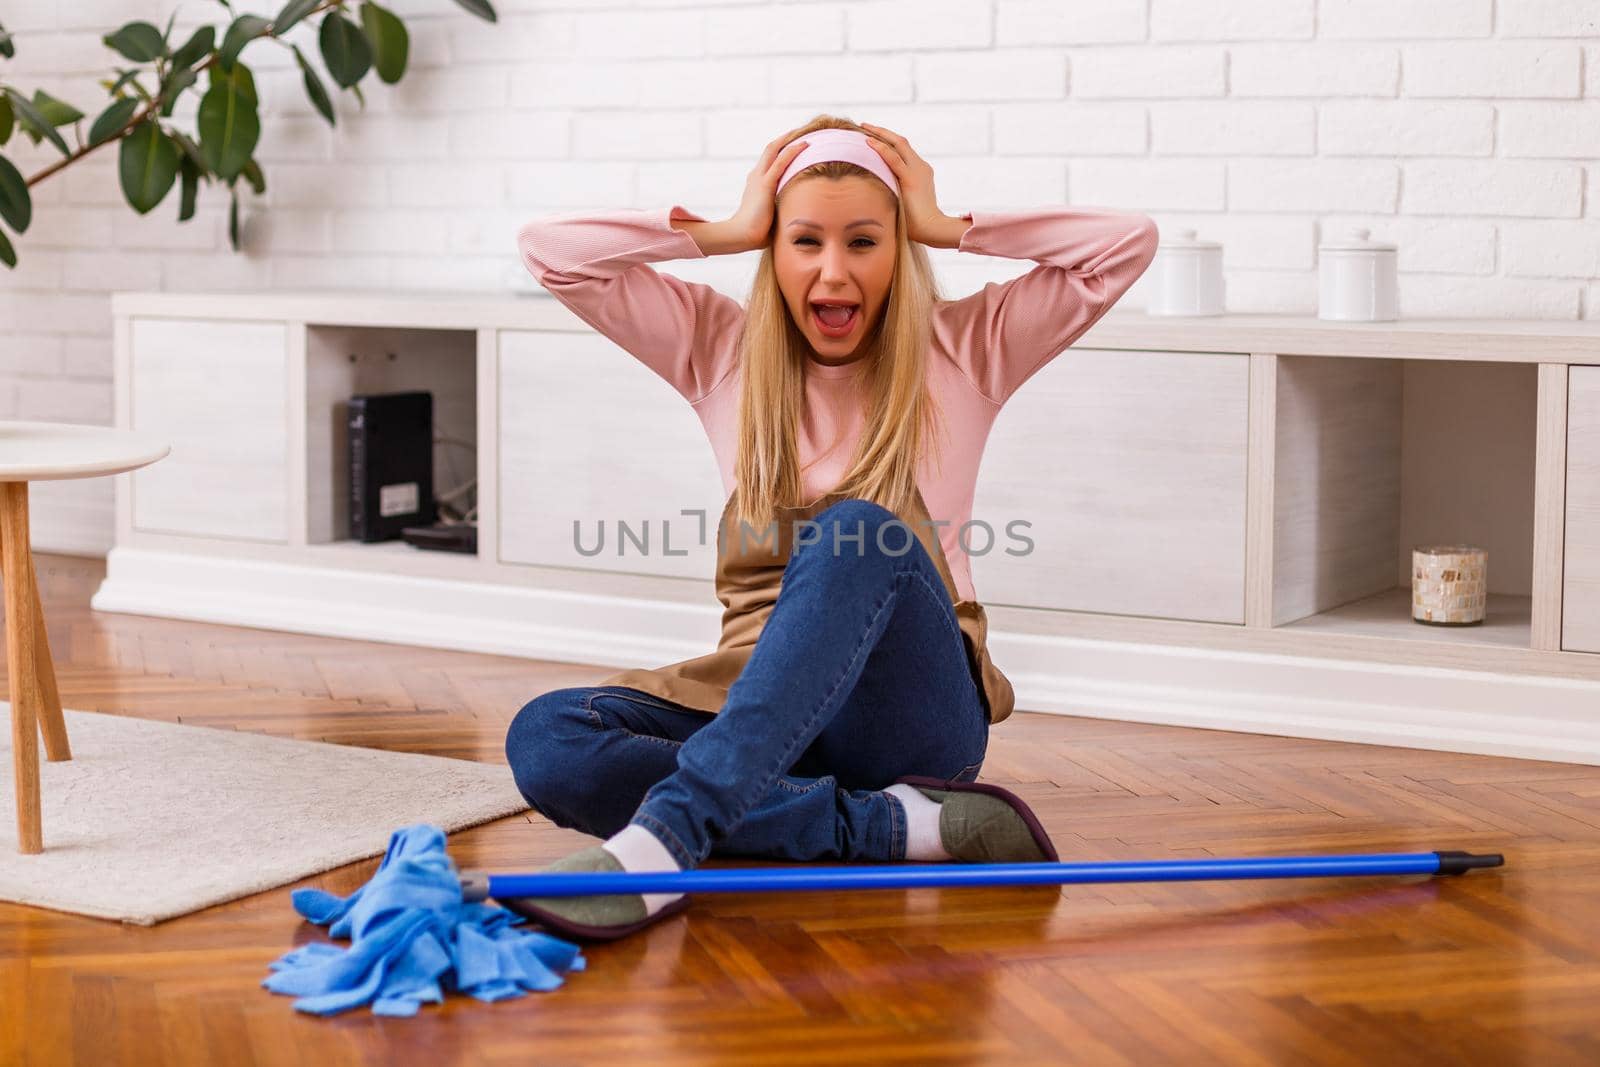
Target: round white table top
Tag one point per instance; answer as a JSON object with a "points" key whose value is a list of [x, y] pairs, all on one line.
{"points": [[41, 451]]}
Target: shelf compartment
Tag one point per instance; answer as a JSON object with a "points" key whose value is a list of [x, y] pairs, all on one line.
{"points": [[1376, 456], [342, 361]]}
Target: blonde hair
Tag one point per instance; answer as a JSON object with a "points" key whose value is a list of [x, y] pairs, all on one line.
{"points": [[901, 416]]}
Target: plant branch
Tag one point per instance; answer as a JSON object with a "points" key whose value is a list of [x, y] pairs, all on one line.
{"points": [[154, 106]]}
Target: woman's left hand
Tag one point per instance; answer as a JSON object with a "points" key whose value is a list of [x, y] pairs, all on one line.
{"points": [[915, 176]]}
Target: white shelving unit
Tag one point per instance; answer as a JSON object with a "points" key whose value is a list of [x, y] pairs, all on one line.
{"points": [[1222, 510]]}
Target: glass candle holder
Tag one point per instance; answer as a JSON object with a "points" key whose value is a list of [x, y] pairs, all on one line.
{"points": [[1449, 584]]}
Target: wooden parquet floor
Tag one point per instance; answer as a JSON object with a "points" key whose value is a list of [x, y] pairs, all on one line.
{"points": [[1496, 967]]}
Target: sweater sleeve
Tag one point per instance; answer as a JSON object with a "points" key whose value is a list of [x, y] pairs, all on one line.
{"points": [[598, 266], [1000, 336]]}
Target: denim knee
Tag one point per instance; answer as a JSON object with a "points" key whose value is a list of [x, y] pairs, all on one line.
{"points": [[853, 508], [856, 529], [540, 748]]}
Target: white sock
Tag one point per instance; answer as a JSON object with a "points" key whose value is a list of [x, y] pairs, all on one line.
{"points": [[922, 824], [637, 849]]}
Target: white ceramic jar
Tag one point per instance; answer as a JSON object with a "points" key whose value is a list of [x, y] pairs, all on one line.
{"points": [[1185, 277], [1357, 279]]}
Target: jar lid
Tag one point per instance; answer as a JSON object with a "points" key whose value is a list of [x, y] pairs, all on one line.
{"points": [[1355, 239], [1184, 238]]}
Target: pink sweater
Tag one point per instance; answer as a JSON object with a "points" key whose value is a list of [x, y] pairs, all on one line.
{"points": [[984, 346]]}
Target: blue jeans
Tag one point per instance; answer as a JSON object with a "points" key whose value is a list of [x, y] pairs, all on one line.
{"points": [[859, 676]]}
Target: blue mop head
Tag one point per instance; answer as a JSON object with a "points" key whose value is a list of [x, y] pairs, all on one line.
{"points": [[412, 938]]}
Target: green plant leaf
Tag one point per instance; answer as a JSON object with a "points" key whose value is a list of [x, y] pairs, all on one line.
{"points": [[194, 48], [148, 165], [233, 221], [166, 35], [191, 183], [252, 174], [8, 255], [56, 112], [239, 77], [191, 152], [292, 12], [177, 81], [245, 29], [127, 76], [229, 129], [360, 97], [16, 206], [479, 8], [344, 49], [8, 120], [389, 40], [314, 88], [33, 123], [112, 119], [7, 49], [138, 41]]}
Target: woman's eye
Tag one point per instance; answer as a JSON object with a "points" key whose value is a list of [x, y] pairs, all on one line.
{"points": [[869, 241]]}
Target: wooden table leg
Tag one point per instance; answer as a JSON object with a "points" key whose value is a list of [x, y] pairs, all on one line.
{"points": [[51, 722], [21, 661]]}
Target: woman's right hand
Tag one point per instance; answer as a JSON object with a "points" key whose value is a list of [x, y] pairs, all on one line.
{"points": [[753, 220]]}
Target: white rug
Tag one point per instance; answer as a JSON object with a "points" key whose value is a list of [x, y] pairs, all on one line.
{"points": [[149, 820]]}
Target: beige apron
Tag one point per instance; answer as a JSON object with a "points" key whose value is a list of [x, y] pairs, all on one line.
{"points": [[750, 566]]}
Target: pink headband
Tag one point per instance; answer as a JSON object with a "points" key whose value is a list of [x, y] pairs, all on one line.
{"points": [[825, 145]]}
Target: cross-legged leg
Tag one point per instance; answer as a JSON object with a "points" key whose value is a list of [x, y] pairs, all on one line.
{"points": [[584, 757], [860, 673]]}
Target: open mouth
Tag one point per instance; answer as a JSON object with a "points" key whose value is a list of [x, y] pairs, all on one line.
{"points": [[835, 320]]}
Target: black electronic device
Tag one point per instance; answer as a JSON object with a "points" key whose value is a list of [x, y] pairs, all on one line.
{"points": [[443, 536], [390, 439]]}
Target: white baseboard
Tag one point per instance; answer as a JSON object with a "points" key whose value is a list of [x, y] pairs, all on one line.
{"points": [[1446, 710], [1520, 715], [401, 609]]}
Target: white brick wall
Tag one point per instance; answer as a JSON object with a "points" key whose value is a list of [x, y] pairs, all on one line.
{"points": [[1466, 131]]}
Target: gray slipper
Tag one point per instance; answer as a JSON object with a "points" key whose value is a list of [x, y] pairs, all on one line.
{"points": [[599, 917], [982, 823]]}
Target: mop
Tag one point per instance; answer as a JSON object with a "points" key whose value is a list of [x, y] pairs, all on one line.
{"points": [[414, 937], [419, 929]]}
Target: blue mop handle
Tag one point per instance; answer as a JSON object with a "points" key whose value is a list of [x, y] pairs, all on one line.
{"points": [[477, 885]]}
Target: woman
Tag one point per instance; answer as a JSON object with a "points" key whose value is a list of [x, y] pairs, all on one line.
{"points": [[846, 709]]}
